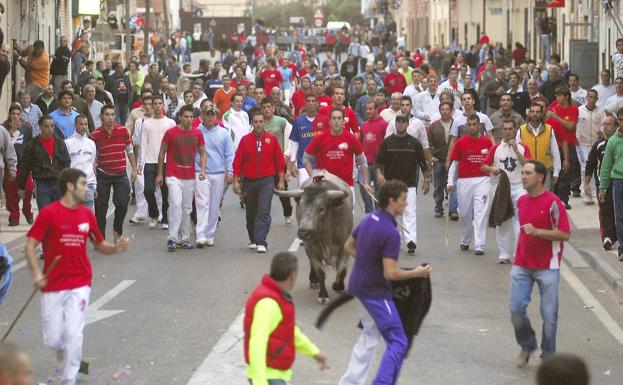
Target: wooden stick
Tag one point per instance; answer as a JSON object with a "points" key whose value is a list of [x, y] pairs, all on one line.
{"points": [[32, 295]]}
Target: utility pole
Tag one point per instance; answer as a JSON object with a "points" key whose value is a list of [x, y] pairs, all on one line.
{"points": [[146, 27], [128, 35]]}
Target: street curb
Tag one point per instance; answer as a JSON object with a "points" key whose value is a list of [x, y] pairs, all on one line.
{"points": [[596, 260]]}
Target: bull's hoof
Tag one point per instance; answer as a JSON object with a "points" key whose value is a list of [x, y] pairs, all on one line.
{"points": [[314, 285], [338, 286], [323, 301]]}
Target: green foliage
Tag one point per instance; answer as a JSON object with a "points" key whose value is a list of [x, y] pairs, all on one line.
{"points": [[343, 10]]}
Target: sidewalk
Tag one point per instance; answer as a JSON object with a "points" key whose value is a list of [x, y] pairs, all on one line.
{"points": [[586, 239]]}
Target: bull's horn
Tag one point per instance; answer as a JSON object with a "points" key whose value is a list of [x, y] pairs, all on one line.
{"points": [[336, 194], [296, 194]]}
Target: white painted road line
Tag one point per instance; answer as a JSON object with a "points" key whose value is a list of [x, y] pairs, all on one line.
{"points": [[589, 299], [18, 266], [93, 312], [296, 243], [225, 363]]}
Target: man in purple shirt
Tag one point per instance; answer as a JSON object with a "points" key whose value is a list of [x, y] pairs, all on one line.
{"points": [[375, 243]]}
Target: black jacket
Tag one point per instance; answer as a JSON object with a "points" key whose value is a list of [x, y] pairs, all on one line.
{"points": [[413, 298], [502, 205], [37, 160]]}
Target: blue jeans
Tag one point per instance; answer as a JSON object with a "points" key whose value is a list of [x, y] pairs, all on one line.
{"points": [[440, 181], [47, 193], [90, 196], [258, 196], [522, 281], [122, 110], [368, 204], [617, 198], [387, 320], [547, 47]]}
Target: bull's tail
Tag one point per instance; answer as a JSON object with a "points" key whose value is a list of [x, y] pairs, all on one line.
{"points": [[326, 312]]}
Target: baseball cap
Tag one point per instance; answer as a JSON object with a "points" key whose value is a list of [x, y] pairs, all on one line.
{"points": [[211, 109], [402, 117]]}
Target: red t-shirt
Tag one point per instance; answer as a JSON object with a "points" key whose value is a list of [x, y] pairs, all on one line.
{"points": [[48, 145], [372, 134], [335, 153], [394, 82], [182, 151], [350, 119], [234, 82], [64, 231], [272, 78], [297, 101], [111, 148], [545, 211], [470, 153], [570, 114], [325, 101]]}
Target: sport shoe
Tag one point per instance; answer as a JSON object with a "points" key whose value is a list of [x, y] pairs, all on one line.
{"points": [[30, 220], [187, 245], [607, 243], [210, 242], [165, 226], [479, 252], [464, 247], [438, 214], [289, 220], [523, 358], [153, 222], [200, 244], [252, 245], [567, 206], [453, 216], [261, 249], [503, 261], [116, 236], [411, 246], [171, 246], [137, 220]]}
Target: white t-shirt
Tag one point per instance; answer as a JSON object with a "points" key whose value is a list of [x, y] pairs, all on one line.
{"points": [[579, 96], [151, 138], [459, 126], [415, 128]]}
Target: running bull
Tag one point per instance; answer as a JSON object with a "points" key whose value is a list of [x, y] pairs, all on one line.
{"points": [[324, 213]]}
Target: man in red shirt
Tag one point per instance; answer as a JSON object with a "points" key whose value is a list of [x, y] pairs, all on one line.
{"points": [[113, 143], [563, 115], [350, 118], [372, 134], [394, 80], [271, 77], [258, 159], [297, 102], [333, 150], [544, 229], [324, 100], [64, 228], [472, 187], [181, 145]]}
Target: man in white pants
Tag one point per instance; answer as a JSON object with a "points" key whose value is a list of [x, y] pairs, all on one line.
{"points": [[472, 185], [508, 156], [139, 184], [181, 144], [218, 170], [64, 228], [587, 132], [400, 156]]}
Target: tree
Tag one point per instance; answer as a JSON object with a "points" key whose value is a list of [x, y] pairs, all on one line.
{"points": [[344, 10]]}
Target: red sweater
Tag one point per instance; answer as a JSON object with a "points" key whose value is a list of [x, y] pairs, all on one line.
{"points": [[258, 157], [394, 82]]}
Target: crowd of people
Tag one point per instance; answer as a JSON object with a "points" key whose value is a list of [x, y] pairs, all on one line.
{"points": [[490, 137]]}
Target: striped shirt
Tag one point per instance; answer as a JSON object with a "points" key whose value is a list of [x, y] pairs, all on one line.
{"points": [[111, 148]]}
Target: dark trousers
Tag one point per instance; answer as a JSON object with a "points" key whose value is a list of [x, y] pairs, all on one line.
{"points": [[286, 203], [150, 172], [440, 182], [617, 197], [258, 194], [120, 198], [47, 193], [565, 178], [606, 217]]}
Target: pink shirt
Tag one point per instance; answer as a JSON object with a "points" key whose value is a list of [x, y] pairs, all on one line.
{"points": [[372, 134], [545, 211]]}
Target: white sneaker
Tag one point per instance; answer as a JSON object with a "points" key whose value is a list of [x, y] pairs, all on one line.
{"points": [[165, 226], [137, 220], [261, 249], [252, 246], [153, 222], [200, 243], [289, 220], [210, 242]]}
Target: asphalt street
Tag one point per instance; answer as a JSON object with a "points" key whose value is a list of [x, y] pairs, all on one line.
{"points": [[175, 307]]}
